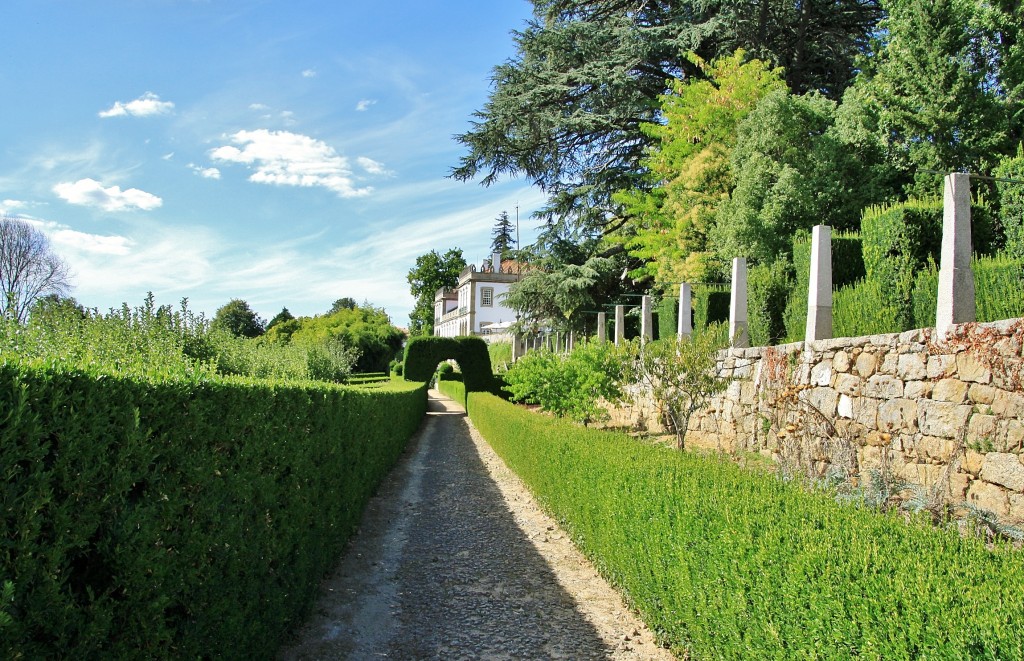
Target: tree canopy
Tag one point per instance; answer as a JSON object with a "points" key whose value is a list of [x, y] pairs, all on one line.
{"points": [[238, 318], [502, 236], [432, 272]]}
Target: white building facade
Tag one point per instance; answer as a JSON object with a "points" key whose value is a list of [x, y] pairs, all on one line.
{"points": [[476, 306]]}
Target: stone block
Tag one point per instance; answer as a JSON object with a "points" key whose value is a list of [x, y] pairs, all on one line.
{"points": [[878, 439], [883, 386], [980, 394], [847, 384], [950, 390], [1011, 432], [972, 462], [982, 429], [898, 415], [989, 497], [911, 366], [866, 364], [935, 449], [844, 408], [1008, 404], [1004, 469], [940, 367], [1016, 514], [865, 411], [970, 368], [821, 374], [888, 364], [943, 419], [917, 389], [841, 362], [958, 485], [825, 400]]}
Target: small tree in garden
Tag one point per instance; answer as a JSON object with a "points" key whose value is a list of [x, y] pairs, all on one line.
{"points": [[680, 375]]}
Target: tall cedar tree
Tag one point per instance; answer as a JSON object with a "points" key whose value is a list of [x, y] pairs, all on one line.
{"points": [[567, 109], [502, 236]]}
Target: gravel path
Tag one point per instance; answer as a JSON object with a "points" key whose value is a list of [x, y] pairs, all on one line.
{"points": [[454, 560]]}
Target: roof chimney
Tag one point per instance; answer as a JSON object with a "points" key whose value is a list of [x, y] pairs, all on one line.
{"points": [[496, 262]]}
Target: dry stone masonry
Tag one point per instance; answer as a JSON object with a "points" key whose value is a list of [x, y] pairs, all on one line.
{"points": [[945, 415]]}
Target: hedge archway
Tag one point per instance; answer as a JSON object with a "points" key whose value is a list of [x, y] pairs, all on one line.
{"points": [[422, 355]]}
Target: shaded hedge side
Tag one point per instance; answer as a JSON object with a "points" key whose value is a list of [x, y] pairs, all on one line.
{"points": [[422, 355], [180, 519], [726, 562]]}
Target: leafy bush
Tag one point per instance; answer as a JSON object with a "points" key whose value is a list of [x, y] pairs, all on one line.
{"points": [[570, 385], [998, 290], [180, 516], [727, 562], [710, 304], [501, 356], [847, 269]]}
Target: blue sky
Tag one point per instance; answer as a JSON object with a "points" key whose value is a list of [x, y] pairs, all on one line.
{"points": [[285, 152]]}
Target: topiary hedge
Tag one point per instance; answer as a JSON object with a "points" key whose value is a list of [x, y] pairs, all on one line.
{"points": [[422, 354], [179, 518]]}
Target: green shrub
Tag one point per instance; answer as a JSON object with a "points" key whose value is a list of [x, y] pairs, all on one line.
{"points": [[864, 308], [668, 317], [501, 356], [847, 269], [456, 390], [998, 290], [179, 517], [727, 562], [569, 385]]}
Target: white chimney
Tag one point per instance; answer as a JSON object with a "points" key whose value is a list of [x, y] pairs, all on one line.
{"points": [[496, 262]]}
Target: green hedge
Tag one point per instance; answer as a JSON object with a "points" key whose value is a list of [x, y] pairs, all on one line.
{"points": [[175, 518], [710, 304], [847, 269], [733, 563], [423, 353], [455, 390]]}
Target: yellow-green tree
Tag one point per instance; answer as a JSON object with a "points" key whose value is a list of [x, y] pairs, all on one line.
{"points": [[690, 167]]}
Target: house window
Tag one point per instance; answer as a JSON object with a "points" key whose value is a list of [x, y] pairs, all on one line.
{"points": [[487, 297]]}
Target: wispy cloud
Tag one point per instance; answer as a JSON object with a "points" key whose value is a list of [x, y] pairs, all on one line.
{"points": [[371, 166], [309, 73], [290, 159], [91, 193], [207, 173], [258, 106], [147, 105], [10, 206], [364, 104]]}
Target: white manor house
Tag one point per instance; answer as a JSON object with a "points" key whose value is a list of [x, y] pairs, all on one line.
{"points": [[476, 305]]}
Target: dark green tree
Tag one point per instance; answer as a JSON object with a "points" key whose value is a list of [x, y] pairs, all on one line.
{"points": [[502, 236], [945, 85], [346, 303], [281, 317], [432, 272], [566, 110], [239, 319]]}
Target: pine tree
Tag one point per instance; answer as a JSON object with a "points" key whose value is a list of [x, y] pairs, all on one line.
{"points": [[502, 239]]}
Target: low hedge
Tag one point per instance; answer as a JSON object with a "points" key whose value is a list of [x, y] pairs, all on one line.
{"points": [[726, 562], [179, 519], [456, 390]]}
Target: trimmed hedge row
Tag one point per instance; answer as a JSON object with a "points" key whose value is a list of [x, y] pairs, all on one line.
{"points": [[423, 353], [727, 562], [179, 519]]}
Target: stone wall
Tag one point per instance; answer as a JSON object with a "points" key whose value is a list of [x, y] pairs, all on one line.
{"points": [[947, 415]]}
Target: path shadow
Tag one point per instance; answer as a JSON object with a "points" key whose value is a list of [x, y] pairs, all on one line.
{"points": [[441, 570]]}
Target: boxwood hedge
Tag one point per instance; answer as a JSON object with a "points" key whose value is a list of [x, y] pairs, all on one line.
{"points": [[727, 562], [179, 518]]}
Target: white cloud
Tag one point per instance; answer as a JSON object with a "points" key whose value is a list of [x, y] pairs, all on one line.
{"points": [[10, 206], [145, 106], [68, 239], [207, 173], [168, 156], [91, 193], [258, 106], [371, 166], [309, 73], [290, 159], [365, 104]]}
